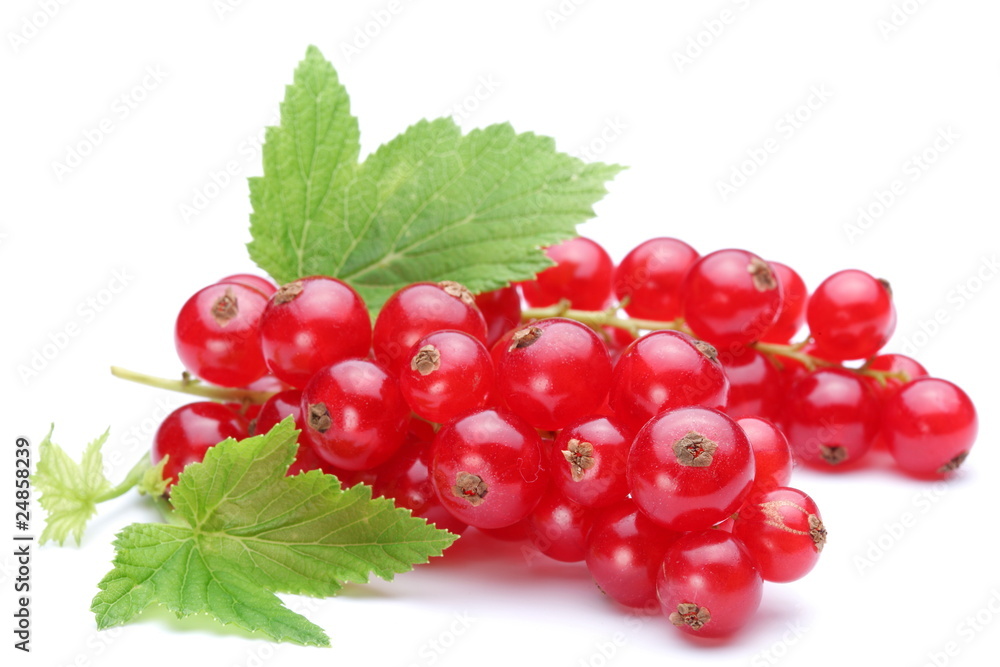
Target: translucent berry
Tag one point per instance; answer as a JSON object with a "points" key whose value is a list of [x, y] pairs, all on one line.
{"points": [[783, 531], [851, 315], [582, 275], [648, 280], [190, 430], [449, 374]]}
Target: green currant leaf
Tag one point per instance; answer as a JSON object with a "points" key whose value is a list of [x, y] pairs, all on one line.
{"points": [[432, 204], [246, 531], [69, 491]]}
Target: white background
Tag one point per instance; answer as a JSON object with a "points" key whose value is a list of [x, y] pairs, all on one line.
{"points": [[202, 79]]}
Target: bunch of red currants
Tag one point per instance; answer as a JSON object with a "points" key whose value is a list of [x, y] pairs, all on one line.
{"points": [[641, 418]]}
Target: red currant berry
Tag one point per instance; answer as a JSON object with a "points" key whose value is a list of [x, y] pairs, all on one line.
{"points": [[665, 370], [690, 468], [851, 315], [488, 469], [262, 285], [771, 454], [582, 275], [554, 372], [783, 531], [731, 297], [754, 384], [831, 417], [588, 462], [421, 309], [893, 363], [289, 404], [709, 585], [929, 425], [558, 527], [355, 414], [502, 311], [649, 279], [217, 334], [406, 478], [624, 553], [794, 297], [450, 373], [190, 430], [311, 323]]}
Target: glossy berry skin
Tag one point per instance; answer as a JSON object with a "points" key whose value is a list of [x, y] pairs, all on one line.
{"points": [[794, 298], [754, 383], [929, 426], [831, 417], [418, 310], [783, 531], [259, 283], [851, 315], [190, 430], [894, 363], [588, 461], [558, 527], [289, 404], [730, 297], [502, 311], [665, 370], [690, 468], [217, 334], [311, 323], [553, 373], [355, 414], [771, 454], [450, 373], [582, 275], [709, 585], [488, 469], [625, 550], [406, 478], [650, 276]]}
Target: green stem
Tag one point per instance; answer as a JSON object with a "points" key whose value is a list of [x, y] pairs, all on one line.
{"points": [[610, 318], [602, 318], [133, 477], [188, 385]]}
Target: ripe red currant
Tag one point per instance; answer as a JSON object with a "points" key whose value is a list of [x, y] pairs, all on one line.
{"points": [[731, 297], [649, 278], [217, 334], [588, 461], [690, 468], [582, 275], [794, 297], [450, 373], [190, 430], [783, 531], [851, 315], [311, 323]]}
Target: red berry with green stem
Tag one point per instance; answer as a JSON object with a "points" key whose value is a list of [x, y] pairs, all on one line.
{"points": [[929, 425], [771, 454], [709, 584], [731, 297], [625, 549], [502, 311], [450, 373], [588, 461], [488, 468], [690, 468], [754, 383], [554, 372], [355, 414], [421, 309], [648, 280], [582, 275], [217, 334], [665, 370], [794, 297], [897, 364], [190, 430], [783, 531], [851, 315], [831, 417], [311, 323]]}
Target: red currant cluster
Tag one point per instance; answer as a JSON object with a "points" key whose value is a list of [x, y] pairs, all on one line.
{"points": [[653, 446]]}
